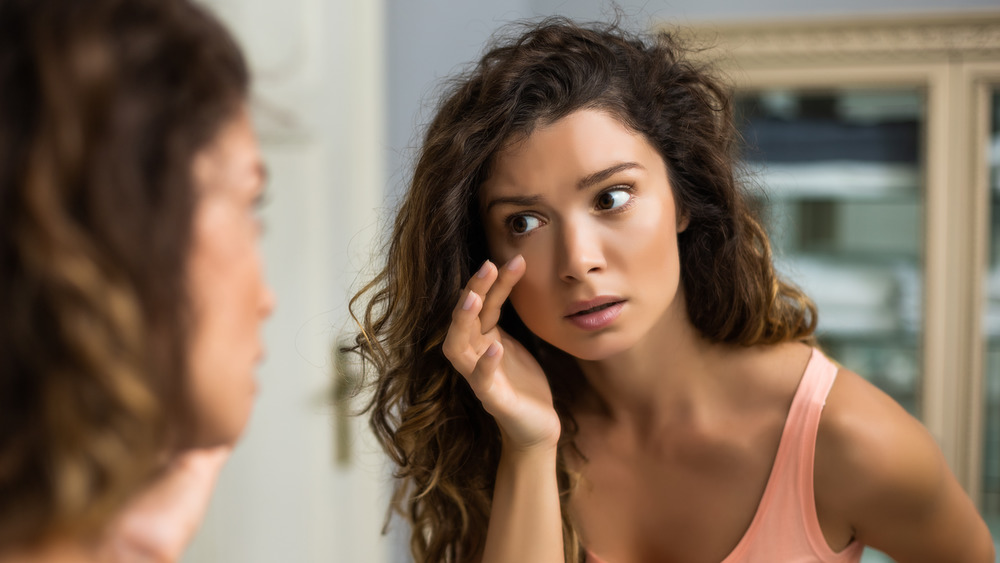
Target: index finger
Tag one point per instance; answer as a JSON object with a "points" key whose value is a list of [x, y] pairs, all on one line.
{"points": [[507, 278]]}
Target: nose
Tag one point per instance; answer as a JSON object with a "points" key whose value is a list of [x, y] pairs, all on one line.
{"points": [[581, 252]]}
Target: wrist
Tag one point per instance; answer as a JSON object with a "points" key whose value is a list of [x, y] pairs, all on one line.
{"points": [[540, 452]]}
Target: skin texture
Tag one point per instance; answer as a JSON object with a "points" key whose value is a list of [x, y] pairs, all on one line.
{"points": [[229, 295], [678, 433]]}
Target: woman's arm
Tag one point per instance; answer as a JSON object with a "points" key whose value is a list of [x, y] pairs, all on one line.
{"points": [[525, 519], [879, 471]]}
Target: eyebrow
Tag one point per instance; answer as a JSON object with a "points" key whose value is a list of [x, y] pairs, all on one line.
{"points": [[522, 201], [601, 175], [584, 183]]}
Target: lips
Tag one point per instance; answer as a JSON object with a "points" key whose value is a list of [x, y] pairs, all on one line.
{"points": [[599, 315], [592, 306]]}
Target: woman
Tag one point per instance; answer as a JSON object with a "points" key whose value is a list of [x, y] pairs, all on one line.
{"points": [[583, 351], [132, 286]]}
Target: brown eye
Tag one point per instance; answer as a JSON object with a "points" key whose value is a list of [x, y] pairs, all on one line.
{"points": [[521, 224], [612, 199]]}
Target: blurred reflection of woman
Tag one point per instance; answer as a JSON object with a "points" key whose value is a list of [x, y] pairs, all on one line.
{"points": [[131, 283], [583, 351]]}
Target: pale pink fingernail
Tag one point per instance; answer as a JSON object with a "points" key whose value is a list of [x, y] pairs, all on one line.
{"points": [[483, 270], [493, 349], [515, 262], [469, 300]]}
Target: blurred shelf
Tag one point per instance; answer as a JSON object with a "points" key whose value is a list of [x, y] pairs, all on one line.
{"points": [[838, 180]]}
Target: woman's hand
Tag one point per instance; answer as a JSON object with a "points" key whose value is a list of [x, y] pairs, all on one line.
{"points": [[157, 526], [503, 374]]}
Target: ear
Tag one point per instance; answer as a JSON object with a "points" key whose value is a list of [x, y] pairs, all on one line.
{"points": [[682, 221]]}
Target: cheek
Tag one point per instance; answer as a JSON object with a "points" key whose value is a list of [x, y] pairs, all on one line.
{"points": [[653, 233], [227, 258], [531, 297], [654, 256], [524, 296], [225, 278], [224, 345]]}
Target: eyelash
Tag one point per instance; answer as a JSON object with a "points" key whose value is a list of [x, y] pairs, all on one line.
{"points": [[509, 220]]}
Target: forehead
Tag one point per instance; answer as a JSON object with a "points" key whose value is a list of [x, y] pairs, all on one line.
{"points": [[232, 153], [235, 139], [566, 150]]}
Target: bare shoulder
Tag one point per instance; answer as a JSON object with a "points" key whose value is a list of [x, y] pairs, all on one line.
{"points": [[864, 433], [880, 472]]}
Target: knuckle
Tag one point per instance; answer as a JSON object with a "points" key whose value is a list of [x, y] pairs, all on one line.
{"points": [[448, 349]]}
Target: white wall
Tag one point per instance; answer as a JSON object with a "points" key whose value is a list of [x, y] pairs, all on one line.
{"points": [[426, 41]]}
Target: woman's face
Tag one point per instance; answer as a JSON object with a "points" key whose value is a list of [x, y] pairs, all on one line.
{"points": [[588, 204], [229, 296]]}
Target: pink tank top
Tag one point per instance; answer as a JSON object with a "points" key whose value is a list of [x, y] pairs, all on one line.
{"points": [[785, 528]]}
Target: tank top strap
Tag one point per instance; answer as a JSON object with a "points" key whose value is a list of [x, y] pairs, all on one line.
{"points": [[798, 439], [786, 527]]}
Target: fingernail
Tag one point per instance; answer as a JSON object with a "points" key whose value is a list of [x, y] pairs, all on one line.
{"points": [[469, 300], [515, 262], [493, 349], [482, 270]]}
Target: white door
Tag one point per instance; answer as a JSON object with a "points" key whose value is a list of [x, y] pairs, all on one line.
{"points": [[318, 108]]}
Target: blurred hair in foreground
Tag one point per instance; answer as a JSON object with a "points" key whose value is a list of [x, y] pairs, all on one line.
{"points": [[103, 106]]}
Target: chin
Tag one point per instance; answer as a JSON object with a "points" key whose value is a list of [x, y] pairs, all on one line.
{"points": [[223, 432], [601, 348]]}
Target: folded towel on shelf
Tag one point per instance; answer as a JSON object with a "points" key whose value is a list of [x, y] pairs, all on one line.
{"points": [[840, 284], [859, 298], [836, 179], [838, 320]]}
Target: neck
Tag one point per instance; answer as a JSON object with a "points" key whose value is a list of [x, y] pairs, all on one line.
{"points": [[668, 374]]}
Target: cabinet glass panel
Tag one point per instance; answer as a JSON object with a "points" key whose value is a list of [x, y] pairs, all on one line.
{"points": [[991, 324], [841, 194]]}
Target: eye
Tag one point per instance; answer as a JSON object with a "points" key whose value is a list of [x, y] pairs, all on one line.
{"points": [[613, 198], [523, 224]]}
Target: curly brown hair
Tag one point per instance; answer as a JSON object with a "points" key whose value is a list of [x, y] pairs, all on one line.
{"points": [[445, 445], [103, 106]]}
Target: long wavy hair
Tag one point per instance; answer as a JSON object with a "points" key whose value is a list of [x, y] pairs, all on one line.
{"points": [[445, 446], [103, 105]]}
